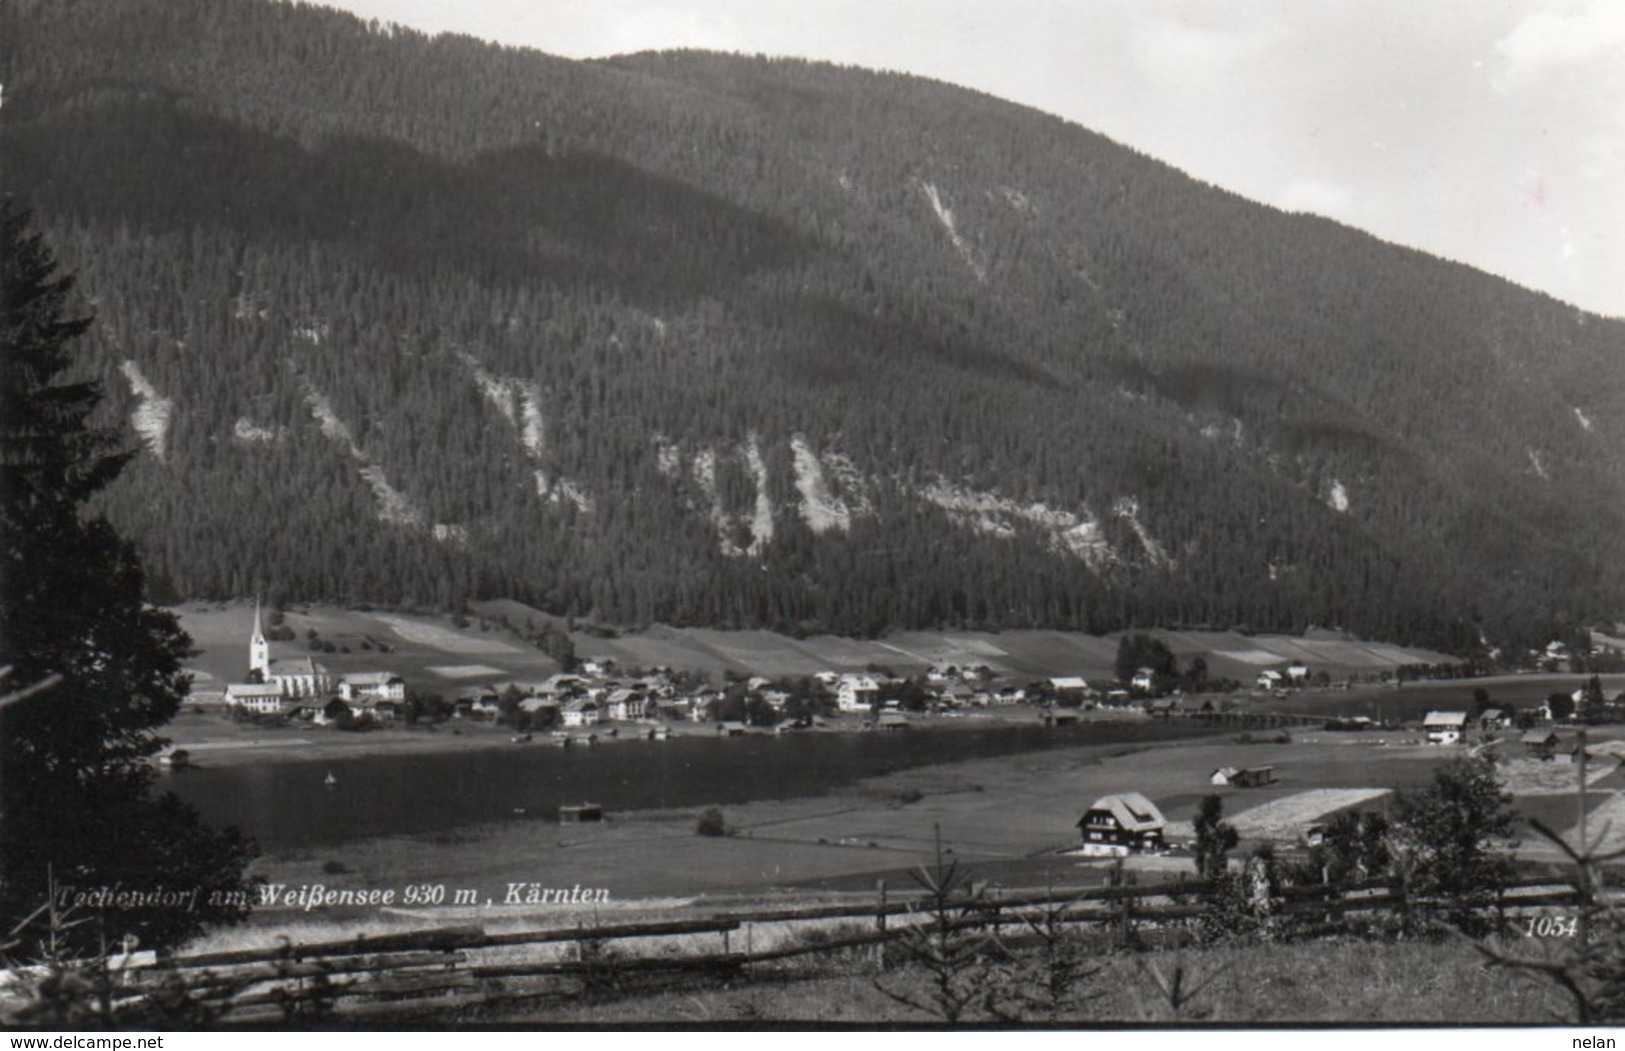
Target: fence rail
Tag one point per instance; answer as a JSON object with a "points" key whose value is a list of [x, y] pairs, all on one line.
{"points": [[465, 967]]}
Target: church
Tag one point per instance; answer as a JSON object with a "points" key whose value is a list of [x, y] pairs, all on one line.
{"points": [[279, 681]]}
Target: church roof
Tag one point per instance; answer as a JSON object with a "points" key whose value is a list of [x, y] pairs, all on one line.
{"points": [[295, 666]]}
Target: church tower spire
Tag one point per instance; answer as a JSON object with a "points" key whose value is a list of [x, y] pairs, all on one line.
{"points": [[259, 651]]}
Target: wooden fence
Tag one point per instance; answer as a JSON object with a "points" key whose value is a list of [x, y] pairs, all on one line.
{"points": [[461, 968]]}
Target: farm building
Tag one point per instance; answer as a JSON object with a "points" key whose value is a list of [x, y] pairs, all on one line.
{"points": [[1445, 727], [731, 729], [1494, 719], [1269, 679], [1122, 823], [1243, 776], [1069, 685], [1539, 744], [892, 721], [1163, 707], [1061, 717], [1569, 750], [580, 813]]}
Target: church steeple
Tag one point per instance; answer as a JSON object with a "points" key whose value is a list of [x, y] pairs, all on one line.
{"points": [[259, 651]]}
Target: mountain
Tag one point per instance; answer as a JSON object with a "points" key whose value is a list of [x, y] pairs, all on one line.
{"points": [[715, 340]]}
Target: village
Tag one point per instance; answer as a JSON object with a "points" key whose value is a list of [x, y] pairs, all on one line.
{"points": [[597, 700]]}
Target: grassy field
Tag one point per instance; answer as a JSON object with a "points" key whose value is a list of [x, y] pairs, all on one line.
{"points": [[1340, 982], [427, 651], [433, 654], [1413, 700]]}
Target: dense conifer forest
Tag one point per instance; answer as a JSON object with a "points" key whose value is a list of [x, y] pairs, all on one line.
{"points": [[712, 339]]}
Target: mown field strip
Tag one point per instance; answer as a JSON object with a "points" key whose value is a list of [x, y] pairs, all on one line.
{"points": [[1287, 817]]}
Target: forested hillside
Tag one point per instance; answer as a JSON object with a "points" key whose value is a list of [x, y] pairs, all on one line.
{"points": [[718, 340]]}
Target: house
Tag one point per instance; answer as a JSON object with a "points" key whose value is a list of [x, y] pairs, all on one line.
{"points": [[257, 697], [1068, 686], [335, 711], [378, 711], [484, 705], [1008, 695], [856, 693], [675, 709], [892, 721], [1122, 823], [581, 711], [1569, 751], [1062, 717], [1539, 744], [1243, 776], [1494, 719], [1297, 673], [1192, 706], [562, 685], [361, 687], [533, 705], [1162, 708], [1269, 679], [1445, 727], [1145, 680], [731, 728], [624, 704]]}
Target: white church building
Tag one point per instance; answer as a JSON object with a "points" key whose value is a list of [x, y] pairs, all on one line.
{"points": [[280, 681]]}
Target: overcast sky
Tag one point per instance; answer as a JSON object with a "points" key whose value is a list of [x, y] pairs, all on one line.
{"points": [[1487, 131]]}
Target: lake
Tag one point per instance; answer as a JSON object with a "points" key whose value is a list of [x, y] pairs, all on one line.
{"points": [[287, 806]]}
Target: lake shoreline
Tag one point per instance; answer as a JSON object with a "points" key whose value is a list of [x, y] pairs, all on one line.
{"points": [[215, 740]]}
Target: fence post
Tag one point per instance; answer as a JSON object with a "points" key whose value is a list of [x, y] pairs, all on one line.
{"points": [[880, 923]]}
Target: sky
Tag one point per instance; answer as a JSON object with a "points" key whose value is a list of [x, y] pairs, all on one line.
{"points": [[1491, 132]]}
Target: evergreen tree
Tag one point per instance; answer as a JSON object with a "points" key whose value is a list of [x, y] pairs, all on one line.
{"points": [[1215, 839], [78, 811], [1451, 841]]}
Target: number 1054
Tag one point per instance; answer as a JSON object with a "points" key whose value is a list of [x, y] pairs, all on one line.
{"points": [[1551, 926]]}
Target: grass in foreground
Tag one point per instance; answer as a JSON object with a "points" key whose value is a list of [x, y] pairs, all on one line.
{"points": [[1337, 982]]}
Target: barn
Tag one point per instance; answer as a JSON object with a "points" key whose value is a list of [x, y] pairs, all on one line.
{"points": [[1122, 823], [1243, 776], [1445, 727]]}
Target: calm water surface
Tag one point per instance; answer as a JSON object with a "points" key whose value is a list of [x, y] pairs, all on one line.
{"points": [[287, 805]]}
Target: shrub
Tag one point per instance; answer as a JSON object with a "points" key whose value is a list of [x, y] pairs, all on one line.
{"points": [[712, 823]]}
